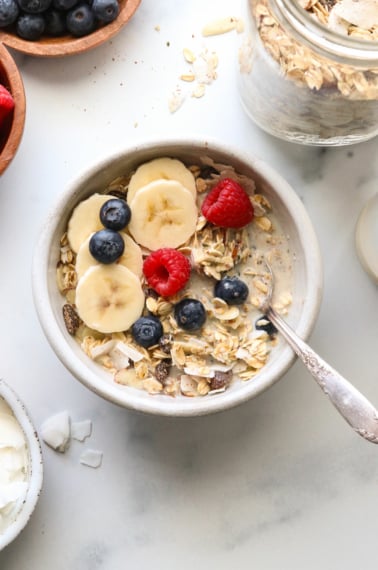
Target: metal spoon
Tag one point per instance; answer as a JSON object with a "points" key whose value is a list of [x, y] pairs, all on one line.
{"points": [[352, 405]]}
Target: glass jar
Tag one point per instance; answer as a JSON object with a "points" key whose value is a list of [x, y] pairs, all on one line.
{"points": [[303, 82]]}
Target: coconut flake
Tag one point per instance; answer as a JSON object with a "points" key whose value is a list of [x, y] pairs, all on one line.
{"points": [[118, 357], [56, 431], [81, 430], [201, 371], [129, 352], [360, 13], [102, 349], [188, 385], [91, 458]]}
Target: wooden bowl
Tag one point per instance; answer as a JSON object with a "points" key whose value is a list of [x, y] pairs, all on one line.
{"points": [[13, 127], [69, 45]]}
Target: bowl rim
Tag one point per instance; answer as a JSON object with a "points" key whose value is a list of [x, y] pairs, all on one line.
{"points": [[35, 468], [16, 87], [202, 406], [69, 45]]}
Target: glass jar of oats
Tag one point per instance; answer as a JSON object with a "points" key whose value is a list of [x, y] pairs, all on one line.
{"points": [[309, 69]]}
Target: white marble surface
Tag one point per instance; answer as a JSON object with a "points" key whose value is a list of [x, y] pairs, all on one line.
{"points": [[280, 482]]}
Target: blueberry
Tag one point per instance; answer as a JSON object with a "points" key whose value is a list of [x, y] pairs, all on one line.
{"points": [[147, 331], [80, 20], [30, 26], [55, 23], [64, 5], [105, 10], [106, 246], [264, 324], [34, 6], [190, 314], [232, 290], [115, 214], [9, 11]]}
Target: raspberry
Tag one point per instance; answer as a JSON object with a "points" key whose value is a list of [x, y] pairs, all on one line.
{"points": [[228, 205], [6, 103], [167, 271]]}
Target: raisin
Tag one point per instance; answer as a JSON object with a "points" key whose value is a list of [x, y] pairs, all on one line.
{"points": [[162, 370], [221, 380], [121, 194], [165, 343], [71, 318], [207, 171]]}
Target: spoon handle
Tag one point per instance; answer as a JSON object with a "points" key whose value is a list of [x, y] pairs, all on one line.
{"points": [[351, 404]]}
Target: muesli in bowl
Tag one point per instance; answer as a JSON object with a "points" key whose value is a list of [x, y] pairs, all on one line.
{"points": [[158, 276]]}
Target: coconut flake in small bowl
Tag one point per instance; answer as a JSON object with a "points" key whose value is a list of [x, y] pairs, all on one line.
{"points": [[21, 467]]}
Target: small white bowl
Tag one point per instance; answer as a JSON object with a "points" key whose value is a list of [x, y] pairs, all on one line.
{"points": [[294, 220], [35, 466]]}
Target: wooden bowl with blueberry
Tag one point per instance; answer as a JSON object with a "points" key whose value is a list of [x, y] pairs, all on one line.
{"points": [[51, 28], [12, 108]]}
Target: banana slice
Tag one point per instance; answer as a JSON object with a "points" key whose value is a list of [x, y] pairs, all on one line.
{"points": [[109, 298], [163, 214], [85, 220], [161, 169], [131, 258]]}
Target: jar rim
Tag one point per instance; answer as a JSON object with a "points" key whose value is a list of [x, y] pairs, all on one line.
{"points": [[365, 52]]}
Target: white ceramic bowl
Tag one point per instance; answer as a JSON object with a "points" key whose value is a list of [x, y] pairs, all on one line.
{"points": [[35, 466], [293, 218]]}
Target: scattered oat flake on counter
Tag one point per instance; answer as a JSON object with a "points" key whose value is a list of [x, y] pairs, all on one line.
{"points": [[222, 26], [189, 77], [199, 91], [205, 66], [189, 56], [176, 100], [91, 458], [203, 72]]}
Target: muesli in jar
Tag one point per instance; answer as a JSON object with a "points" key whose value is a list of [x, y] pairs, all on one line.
{"points": [[309, 69]]}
